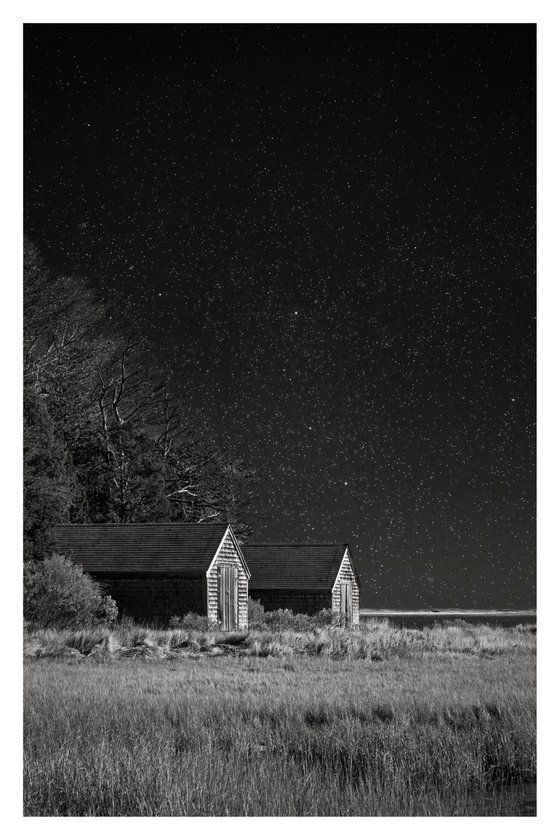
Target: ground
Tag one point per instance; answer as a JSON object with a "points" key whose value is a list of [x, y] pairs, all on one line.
{"points": [[441, 726]]}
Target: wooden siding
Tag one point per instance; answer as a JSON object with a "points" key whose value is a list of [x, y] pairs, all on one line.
{"points": [[227, 556], [346, 575]]}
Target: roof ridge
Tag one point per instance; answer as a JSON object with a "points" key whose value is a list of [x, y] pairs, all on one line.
{"points": [[293, 545], [141, 524]]}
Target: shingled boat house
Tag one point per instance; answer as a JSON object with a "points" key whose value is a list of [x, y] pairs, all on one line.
{"points": [[305, 579], [156, 571]]}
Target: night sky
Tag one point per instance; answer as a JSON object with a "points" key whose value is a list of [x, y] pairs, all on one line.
{"points": [[327, 232]]}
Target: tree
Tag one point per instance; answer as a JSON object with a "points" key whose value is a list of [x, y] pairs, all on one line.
{"points": [[49, 484], [206, 483], [68, 335], [105, 442]]}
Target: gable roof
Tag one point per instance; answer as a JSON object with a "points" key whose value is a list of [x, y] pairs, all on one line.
{"points": [[172, 549], [294, 566]]}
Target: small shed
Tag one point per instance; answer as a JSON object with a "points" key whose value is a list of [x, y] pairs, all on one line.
{"points": [[156, 571], [305, 579]]}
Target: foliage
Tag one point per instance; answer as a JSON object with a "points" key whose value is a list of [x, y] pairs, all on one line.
{"points": [[107, 612], [104, 439], [327, 618], [256, 614], [190, 621], [59, 594], [278, 620], [49, 484]]}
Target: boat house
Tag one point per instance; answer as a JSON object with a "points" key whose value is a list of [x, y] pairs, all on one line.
{"points": [[305, 579], [156, 571]]}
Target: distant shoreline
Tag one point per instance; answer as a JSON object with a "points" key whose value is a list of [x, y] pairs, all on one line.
{"points": [[372, 611]]}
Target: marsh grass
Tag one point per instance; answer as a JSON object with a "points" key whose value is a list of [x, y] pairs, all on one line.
{"points": [[374, 641], [377, 722]]}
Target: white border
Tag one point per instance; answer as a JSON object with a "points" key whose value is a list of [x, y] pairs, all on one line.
{"points": [[275, 11], [546, 16]]}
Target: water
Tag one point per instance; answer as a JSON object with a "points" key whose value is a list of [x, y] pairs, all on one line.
{"points": [[508, 801], [518, 800], [419, 620]]}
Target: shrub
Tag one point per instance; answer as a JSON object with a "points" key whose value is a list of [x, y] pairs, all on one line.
{"points": [[59, 594], [190, 621], [107, 612], [287, 620], [326, 618], [256, 615]]}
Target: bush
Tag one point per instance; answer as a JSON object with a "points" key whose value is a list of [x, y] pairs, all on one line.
{"points": [[287, 620], [327, 618], [190, 621], [256, 615], [107, 612], [59, 594], [261, 620]]}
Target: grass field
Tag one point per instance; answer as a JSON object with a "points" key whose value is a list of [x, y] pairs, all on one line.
{"points": [[377, 722]]}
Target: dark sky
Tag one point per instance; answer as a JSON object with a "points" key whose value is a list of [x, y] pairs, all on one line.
{"points": [[327, 232]]}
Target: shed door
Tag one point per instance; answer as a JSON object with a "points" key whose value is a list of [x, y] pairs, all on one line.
{"points": [[346, 604], [227, 576]]}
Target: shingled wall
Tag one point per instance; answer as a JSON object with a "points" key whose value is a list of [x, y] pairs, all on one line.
{"points": [[228, 556], [346, 575]]}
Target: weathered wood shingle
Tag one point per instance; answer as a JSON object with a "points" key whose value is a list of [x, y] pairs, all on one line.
{"points": [[294, 566], [173, 549]]}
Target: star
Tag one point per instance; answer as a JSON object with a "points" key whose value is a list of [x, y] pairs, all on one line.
{"points": [[377, 198]]}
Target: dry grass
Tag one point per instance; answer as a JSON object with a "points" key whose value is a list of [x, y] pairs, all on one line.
{"points": [[381, 721], [374, 641]]}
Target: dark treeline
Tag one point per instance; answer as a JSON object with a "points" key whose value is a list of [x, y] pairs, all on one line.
{"points": [[104, 439]]}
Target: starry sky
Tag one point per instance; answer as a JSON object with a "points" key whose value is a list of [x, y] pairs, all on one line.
{"points": [[327, 233]]}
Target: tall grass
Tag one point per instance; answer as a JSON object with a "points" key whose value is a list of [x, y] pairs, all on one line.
{"points": [[375, 640], [428, 728]]}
